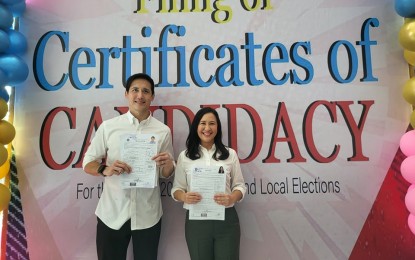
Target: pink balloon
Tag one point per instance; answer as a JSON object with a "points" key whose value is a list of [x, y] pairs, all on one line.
{"points": [[410, 201], [408, 169], [407, 143], [411, 187], [411, 223]]}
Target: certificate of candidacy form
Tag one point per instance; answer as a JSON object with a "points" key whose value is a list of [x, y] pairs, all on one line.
{"points": [[207, 181], [136, 151]]}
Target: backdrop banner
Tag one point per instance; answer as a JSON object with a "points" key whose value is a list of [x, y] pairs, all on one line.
{"points": [[309, 94]]}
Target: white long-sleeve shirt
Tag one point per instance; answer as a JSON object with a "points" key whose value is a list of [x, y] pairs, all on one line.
{"points": [[117, 205], [234, 177]]}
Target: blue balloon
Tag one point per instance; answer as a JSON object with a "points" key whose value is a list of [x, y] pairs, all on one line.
{"points": [[405, 8], [4, 95], [10, 2], [15, 68], [4, 41], [17, 9], [3, 78], [6, 17], [18, 43]]}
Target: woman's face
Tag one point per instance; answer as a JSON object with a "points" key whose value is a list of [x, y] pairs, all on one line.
{"points": [[207, 130]]}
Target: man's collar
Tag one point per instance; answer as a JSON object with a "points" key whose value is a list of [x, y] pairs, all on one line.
{"points": [[133, 120]]}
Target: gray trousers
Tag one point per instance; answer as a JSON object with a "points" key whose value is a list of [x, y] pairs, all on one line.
{"points": [[214, 239]]}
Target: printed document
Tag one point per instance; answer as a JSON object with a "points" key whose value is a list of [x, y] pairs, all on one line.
{"points": [[207, 181], [137, 151]]}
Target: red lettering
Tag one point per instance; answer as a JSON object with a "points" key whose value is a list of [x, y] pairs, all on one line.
{"points": [[356, 129], [45, 149], [94, 123], [233, 129], [283, 120], [308, 131], [168, 116]]}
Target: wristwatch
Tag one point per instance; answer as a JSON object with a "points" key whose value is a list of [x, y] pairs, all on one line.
{"points": [[101, 169]]}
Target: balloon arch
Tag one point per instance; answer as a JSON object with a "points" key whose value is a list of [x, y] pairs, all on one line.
{"points": [[406, 9], [13, 70]]}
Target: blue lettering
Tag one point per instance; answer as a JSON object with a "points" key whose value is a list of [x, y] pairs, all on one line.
{"points": [[39, 55]]}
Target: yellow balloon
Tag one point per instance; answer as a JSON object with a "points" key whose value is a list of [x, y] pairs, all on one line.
{"points": [[7, 132], [412, 120], [5, 196], [9, 150], [409, 91], [408, 20], [407, 36], [4, 169], [3, 108], [4, 155], [409, 57]]}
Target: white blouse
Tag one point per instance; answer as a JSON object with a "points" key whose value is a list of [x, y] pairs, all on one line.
{"points": [[234, 178]]}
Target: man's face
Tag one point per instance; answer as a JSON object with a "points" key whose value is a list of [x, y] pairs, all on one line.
{"points": [[139, 97]]}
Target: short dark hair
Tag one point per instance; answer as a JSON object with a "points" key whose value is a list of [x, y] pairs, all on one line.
{"points": [[139, 76]]}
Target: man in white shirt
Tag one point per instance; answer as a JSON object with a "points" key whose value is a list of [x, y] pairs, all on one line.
{"points": [[136, 212]]}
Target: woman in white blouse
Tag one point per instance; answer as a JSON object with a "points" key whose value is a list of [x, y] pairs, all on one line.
{"points": [[210, 239]]}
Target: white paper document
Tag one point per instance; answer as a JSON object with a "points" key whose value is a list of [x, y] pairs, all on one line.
{"points": [[207, 181], [137, 151]]}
